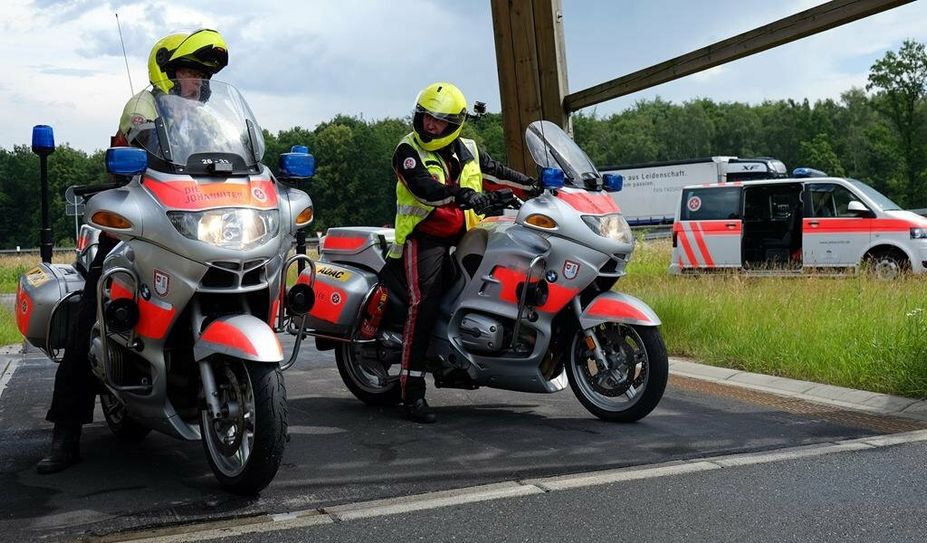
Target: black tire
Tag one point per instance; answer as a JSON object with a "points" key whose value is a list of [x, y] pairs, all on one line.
{"points": [[360, 380], [120, 423], [247, 466], [887, 264], [650, 371]]}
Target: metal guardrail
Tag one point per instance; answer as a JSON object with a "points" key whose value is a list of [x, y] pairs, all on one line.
{"points": [[311, 243], [33, 251]]}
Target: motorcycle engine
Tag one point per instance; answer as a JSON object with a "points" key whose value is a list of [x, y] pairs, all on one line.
{"points": [[481, 334]]}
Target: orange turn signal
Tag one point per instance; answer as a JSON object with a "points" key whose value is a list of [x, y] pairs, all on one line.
{"points": [[304, 217], [110, 220], [541, 221]]}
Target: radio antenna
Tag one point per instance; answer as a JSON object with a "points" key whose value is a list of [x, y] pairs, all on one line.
{"points": [[124, 55]]}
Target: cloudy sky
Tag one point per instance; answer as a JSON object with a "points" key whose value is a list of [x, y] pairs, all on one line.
{"points": [[301, 62]]}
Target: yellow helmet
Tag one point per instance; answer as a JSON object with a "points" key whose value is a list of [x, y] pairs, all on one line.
{"points": [[444, 102], [204, 50]]}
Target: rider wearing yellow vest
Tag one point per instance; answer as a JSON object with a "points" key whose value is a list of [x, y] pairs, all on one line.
{"points": [[439, 191], [179, 64]]}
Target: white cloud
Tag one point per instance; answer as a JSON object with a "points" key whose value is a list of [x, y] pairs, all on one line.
{"points": [[302, 63]]}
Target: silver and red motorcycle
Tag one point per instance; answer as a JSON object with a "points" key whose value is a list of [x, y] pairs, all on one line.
{"points": [[189, 299], [531, 307]]}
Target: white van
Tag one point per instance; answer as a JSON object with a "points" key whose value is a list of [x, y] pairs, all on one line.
{"points": [[795, 225]]}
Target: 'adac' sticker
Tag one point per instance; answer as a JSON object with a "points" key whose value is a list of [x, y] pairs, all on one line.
{"points": [[694, 203], [570, 269], [408, 163], [36, 277], [334, 273]]}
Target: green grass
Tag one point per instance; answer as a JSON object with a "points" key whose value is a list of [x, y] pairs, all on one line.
{"points": [[11, 267], [853, 331], [8, 331]]}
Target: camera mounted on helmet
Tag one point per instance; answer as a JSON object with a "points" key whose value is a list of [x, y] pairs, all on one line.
{"points": [[479, 109]]}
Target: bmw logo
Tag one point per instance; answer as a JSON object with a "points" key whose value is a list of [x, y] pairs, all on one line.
{"points": [[551, 276]]}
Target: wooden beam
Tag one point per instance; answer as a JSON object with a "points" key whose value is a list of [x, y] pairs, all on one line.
{"points": [[532, 70], [808, 22]]}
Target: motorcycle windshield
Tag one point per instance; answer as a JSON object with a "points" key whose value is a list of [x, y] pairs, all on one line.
{"points": [[551, 147], [205, 119]]}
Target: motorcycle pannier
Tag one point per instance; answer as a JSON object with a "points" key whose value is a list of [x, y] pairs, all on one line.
{"points": [[46, 304], [340, 293]]}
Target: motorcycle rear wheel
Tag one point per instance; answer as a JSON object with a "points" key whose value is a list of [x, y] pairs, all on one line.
{"points": [[120, 423], [635, 381], [366, 377], [245, 445]]}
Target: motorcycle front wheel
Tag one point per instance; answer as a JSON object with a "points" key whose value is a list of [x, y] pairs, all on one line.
{"points": [[366, 376], [633, 380], [244, 445]]}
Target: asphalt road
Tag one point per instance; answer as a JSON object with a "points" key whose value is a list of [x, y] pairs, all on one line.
{"points": [[342, 452], [868, 497]]}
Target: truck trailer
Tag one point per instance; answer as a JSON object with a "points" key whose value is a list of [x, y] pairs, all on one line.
{"points": [[651, 190]]}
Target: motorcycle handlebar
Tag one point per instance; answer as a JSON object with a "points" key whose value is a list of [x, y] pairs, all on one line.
{"points": [[84, 190], [502, 200]]}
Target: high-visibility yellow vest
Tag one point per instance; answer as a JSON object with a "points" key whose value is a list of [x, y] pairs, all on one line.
{"points": [[410, 211], [139, 110]]}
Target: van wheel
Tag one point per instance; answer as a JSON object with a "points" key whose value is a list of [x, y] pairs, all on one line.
{"points": [[887, 264]]}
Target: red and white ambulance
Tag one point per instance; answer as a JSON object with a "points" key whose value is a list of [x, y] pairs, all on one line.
{"points": [[795, 225]]}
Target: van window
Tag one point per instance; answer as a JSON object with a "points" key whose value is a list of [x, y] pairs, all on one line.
{"points": [[710, 204], [830, 200]]}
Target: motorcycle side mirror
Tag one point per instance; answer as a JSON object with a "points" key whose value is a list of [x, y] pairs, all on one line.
{"points": [[612, 182], [552, 178], [297, 164], [126, 161]]}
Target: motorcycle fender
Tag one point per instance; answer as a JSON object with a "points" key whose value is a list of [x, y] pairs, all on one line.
{"points": [[240, 336], [617, 307]]}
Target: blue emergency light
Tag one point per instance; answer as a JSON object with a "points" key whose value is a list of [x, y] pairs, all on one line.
{"points": [[126, 160], [612, 182], [552, 178], [807, 172], [43, 139], [297, 164]]}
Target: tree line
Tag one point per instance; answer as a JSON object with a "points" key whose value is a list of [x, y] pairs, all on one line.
{"points": [[876, 134]]}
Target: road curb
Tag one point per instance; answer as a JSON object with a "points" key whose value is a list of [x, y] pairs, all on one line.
{"points": [[861, 400]]}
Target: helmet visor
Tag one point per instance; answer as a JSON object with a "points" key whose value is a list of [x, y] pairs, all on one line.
{"points": [[455, 119], [212, 58]]}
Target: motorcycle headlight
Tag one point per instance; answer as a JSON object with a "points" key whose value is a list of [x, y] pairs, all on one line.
{"points": [[918, 233], [229, 228], [613, 227]]}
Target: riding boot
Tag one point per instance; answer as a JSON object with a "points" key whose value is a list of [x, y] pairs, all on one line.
{"points": [[418, 411], [64, 451]]}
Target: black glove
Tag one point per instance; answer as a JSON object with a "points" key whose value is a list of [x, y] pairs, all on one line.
{"points": [[470, 199], [536, 189]]}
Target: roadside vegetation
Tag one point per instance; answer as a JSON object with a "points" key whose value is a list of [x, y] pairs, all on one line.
{"points": [[853, 330], [11, 267]]}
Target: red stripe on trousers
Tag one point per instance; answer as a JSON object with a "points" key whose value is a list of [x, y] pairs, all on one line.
{"points": [[410, 255]]}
